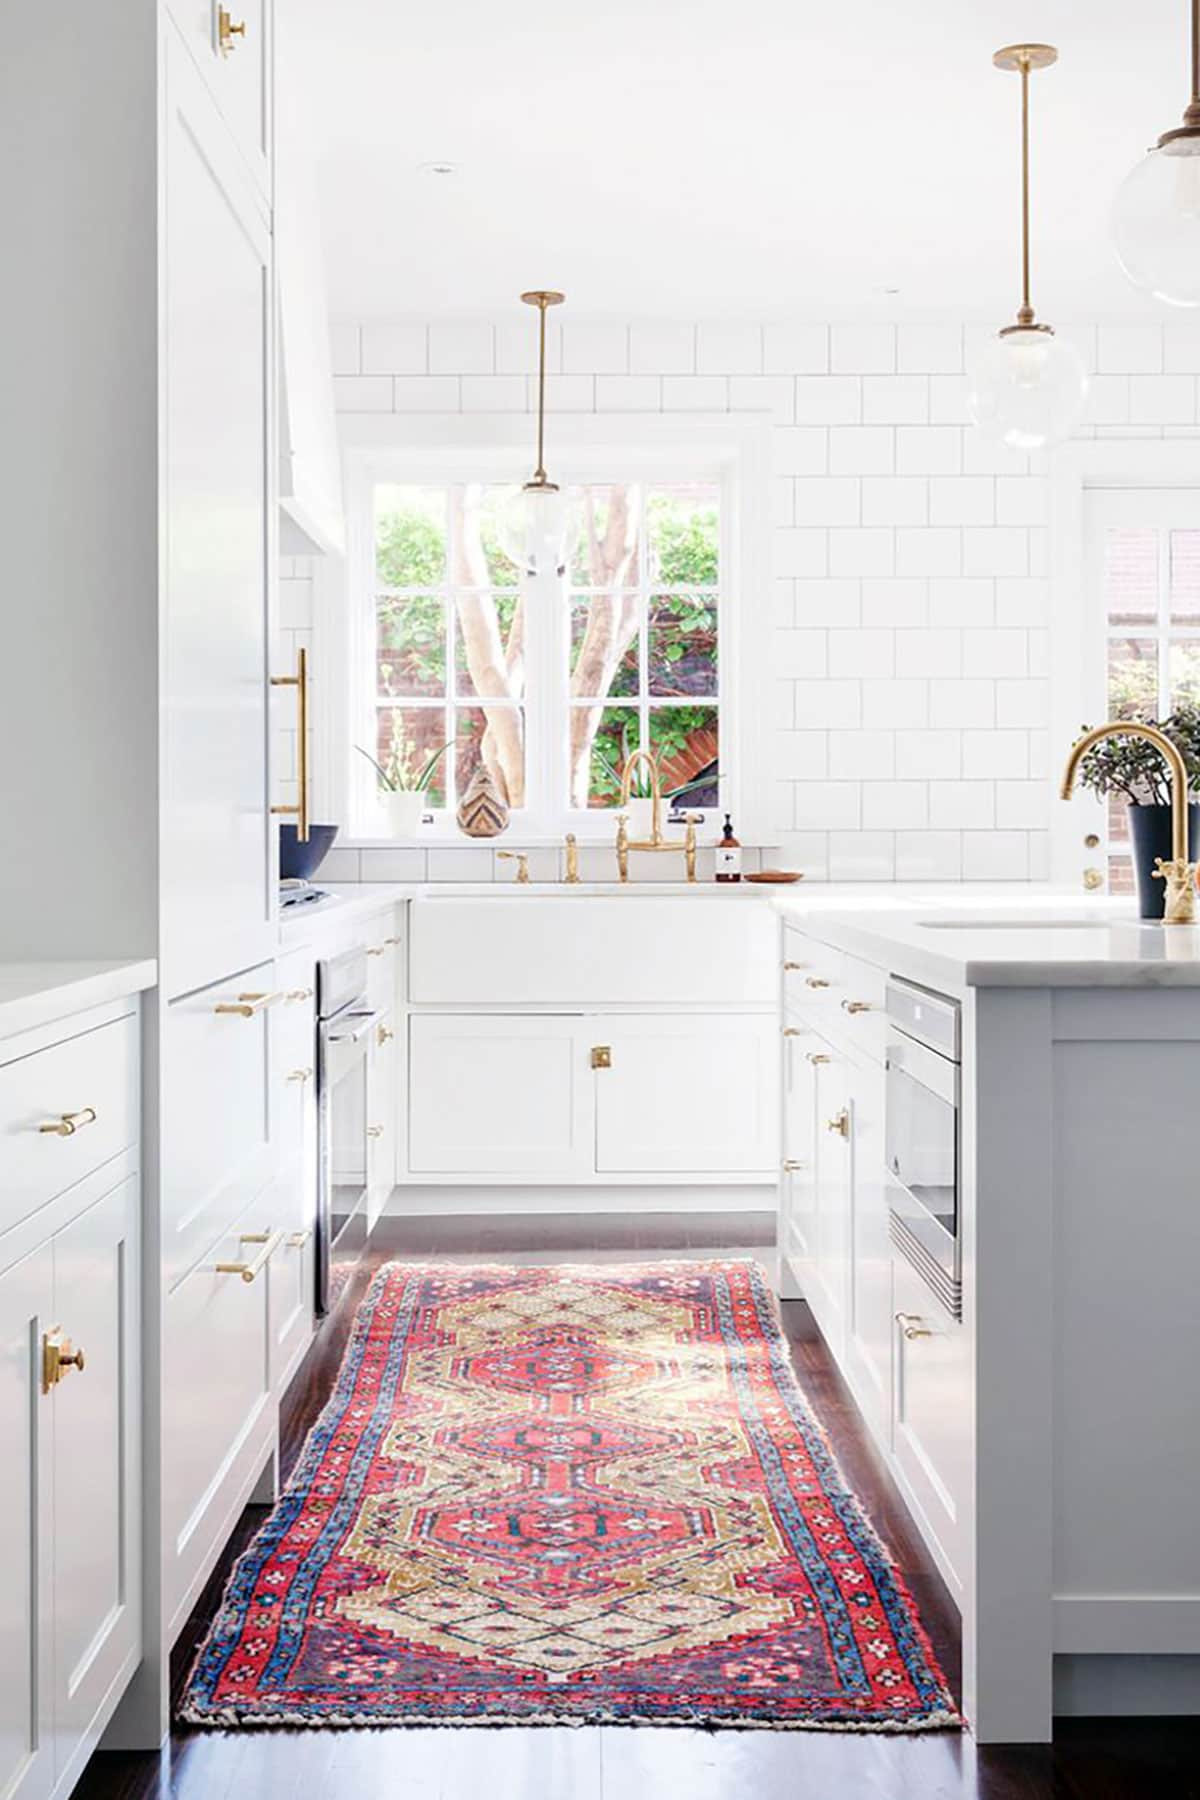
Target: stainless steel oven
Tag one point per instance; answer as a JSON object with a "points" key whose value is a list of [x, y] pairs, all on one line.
{"points": [[345, 1025], [922, 1135]]}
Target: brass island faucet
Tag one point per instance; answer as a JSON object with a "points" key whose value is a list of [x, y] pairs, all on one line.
{"points": [[656, 840], [1179, 874]]}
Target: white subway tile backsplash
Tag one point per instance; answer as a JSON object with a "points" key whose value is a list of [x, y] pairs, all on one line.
{"points": [[895, 500], [774, 394], [795, 349], [995, 856], [862, 349], [867, 653], [895, 805], [800, 551], [800, 450], [995, 550], [862, 551], [895, 600], [695, 393], [493, 393], [658, 347], [516, 346], [1021, 500], [962, 703], [995, 653], [862, 450], [862, 755], [800, 654], [961, 601], [1129, 350], [628, 393], [1162, 399], [929, 652], [895, 400], [827, 805], [828, 400], [1022, 805], [729, 349], [462, 349], [824, 704], [929, 349], [368, 393], [995, 755], [828, 500], [962, 805], [928, 856], [1022, 703], [594, 349], [828, 602], [962, 500], [928, 755], [345, 348], [802, 755], [395, 350], [425, 393], [929, 550], [391, 865], [928, 449], [895, 704], [1022, 600], [862, 856], [948, 400], [1181, 346]]}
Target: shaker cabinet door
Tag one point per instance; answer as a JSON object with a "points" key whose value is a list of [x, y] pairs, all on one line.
{"points": [[26, 1618], [869, 1323], [833, 1189], [96, 1548], [217, 857], [500, 1094], [690, 1094]]}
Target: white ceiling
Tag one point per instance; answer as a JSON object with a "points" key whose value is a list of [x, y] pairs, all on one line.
{"points": [[767, 158]]}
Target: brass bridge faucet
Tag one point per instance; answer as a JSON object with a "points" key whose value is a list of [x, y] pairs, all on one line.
{"points": [[1179, 874], [656, 840]]}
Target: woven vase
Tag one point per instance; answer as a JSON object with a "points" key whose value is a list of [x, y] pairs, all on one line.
{"points": [[482, 811]]}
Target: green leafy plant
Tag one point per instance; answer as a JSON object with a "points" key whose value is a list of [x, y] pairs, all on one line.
{"points": [[1135, 770], [401, 775], [640, 787]]}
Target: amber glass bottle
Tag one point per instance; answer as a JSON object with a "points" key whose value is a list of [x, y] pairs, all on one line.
{"points": [[729, 854]]}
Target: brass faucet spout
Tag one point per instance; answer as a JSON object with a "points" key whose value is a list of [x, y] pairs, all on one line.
{"points": [[1179, 874], [632, 761]]}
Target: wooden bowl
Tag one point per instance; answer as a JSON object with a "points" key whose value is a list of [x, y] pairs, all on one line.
{"points": [[770, 877]]}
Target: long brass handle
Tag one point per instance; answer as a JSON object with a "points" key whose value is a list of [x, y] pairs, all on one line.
{"points": [[270, 1241], [57, 1357], [67, 1124], [856, 1006], [839, 1124], [911, 1326], [814, 981], [300, 682], [247, 1006]]}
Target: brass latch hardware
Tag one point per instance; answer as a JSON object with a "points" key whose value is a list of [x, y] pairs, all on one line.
{"points": [[839, 1124], [299, 810], [228, 28], [602, 1056], [57, 1357], [270, 1241], [67, 1124], [911, 1326]]}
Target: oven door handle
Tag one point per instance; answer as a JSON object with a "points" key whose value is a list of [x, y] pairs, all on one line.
{"points": [[366, 1024]]}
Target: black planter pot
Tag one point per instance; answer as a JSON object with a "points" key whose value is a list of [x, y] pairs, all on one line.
{"points": [[1150, 837]]}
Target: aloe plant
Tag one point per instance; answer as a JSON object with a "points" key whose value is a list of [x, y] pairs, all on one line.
{"points": [[398, 777]]}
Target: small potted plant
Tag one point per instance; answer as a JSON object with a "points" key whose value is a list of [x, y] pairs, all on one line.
{"points": [[403, 784], [1133, 769]]}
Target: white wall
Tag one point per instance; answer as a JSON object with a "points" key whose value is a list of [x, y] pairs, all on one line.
{"points": [[908, 681]]}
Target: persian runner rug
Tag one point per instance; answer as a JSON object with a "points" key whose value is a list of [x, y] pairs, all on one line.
{"points": [[568, 1496]]}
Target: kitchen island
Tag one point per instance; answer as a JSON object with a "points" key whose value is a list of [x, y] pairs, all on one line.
{"points": [[1047, 1439]]}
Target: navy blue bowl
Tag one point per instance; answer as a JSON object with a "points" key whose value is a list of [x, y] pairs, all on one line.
{"points": [[300, 862]]}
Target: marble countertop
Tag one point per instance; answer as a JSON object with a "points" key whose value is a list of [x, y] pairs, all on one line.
{"points": [[1015, 936], [38, 993]]}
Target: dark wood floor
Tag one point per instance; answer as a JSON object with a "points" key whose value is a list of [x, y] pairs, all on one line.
{"points": [[1090, 1759]]}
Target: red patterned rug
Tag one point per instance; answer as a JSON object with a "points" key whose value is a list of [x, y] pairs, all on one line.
{"points": [[568, 1496]]}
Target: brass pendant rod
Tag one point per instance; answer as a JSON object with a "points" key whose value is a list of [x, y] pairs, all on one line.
{"points": [[1025, 315], [540, 472]]}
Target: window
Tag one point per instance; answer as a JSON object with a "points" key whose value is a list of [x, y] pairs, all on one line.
{"points": [[1147, 564], [551, 689]]}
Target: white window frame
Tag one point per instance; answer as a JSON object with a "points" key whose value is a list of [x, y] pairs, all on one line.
{"points": [[732, 452], [1078, 619]]}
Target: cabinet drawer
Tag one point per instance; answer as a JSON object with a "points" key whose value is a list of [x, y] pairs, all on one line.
{"points": [[216, 1393], [932, 1410], [383, 942], [87, 1086], [840, 995], [216, 1110]]}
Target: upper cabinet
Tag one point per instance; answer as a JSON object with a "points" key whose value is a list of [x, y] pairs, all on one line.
{"points": [[310, 469], [231, 47], [216, 354]]}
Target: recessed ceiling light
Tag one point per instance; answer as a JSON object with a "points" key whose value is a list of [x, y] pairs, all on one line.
{"points": [[439, 167]]}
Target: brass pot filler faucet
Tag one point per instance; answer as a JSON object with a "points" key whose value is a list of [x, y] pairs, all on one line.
{"points": [[1179, 874]]}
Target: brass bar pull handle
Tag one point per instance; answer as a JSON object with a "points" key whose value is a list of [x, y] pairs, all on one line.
{"points": [[817, 1056], [792, 1031], [300, 1075], [374, 1131], [67, 1124], [814, 981], [911, 1326], [839, 1124], [856, 1006], [393, 940], [299, 994], [58, 1355], [247, 1006], [298, 1240], [793, 968], [270, 1241], [300, 682], [792, 1166], [375, 950]]}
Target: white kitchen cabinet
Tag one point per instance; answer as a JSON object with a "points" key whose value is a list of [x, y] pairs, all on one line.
{"points": [[26, 1502], [235, 64], [685, 1094], [798, 1173], [500, 1094], [218, 859], [833, 1133], [383, 1109], [293, 1209], [869, 1321], [932, 1408]]}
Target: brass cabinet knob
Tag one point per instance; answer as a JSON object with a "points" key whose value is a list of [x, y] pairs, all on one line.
{"points": [[1092, 879], [58, 1356], [601, 1056], [911, 1326], [839, 1124], [814, 981], [67, 1124], [300, 1075], [384, 1035], [856, 1006], [1091, 841], [817, 1056], [228, 28]]}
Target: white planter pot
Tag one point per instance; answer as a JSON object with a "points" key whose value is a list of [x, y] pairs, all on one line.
{"points": [[402, 813]]}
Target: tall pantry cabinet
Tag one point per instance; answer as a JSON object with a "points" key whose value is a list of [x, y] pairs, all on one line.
{"points": [[137, 503]]}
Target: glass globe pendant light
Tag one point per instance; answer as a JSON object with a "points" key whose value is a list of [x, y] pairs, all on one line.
{"points": [[1156, 212], [538, 528], [1029, 386]]}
